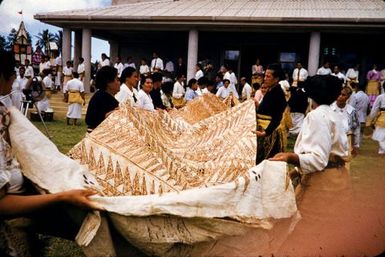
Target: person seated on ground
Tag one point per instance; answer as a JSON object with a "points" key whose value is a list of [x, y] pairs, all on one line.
{"points": [[43, 104], [103, 102], [246, 89], [144, 97], [15, 199], [192, 87], [166, 94], [202, 83], [178, 92], [224, 92]]}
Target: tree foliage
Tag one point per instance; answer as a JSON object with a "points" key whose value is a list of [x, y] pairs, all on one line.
{"points": [[10, 40], [2, 42], [43, 39]]}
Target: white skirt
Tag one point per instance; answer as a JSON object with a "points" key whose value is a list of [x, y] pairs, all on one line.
{"points": [[17, 97], [74, 111], [379, 134], [43, 105], [297, 121]]}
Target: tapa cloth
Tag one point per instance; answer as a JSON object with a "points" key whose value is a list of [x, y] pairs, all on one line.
{"points": [[164, 180]]}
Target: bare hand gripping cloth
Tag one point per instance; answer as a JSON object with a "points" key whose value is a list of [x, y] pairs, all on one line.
{"points": [[167, 180]]}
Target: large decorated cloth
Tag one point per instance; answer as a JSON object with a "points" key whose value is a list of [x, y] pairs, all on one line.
{"points": [[167, 180]]}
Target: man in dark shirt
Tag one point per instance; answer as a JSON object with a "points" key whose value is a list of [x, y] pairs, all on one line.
{"points": [[269, 115], [103, 101], [155, 92]]}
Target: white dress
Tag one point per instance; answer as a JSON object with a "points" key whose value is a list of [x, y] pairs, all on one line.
{"points": [[178, 90], [246, 91], [17, 95], [74, 109], [379, 132]]}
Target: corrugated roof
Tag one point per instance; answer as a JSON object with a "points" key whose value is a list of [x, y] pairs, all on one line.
{"points": [[237, 10]]}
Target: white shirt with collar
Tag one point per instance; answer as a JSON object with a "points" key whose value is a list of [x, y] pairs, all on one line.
{"points": [[47, 82], [178, 90], [246, 91], [233, 81], [126, 95], [145, 101], [199, 74], [324, 71], [106, 62], [352, 74], [224, 92], [143, 69], [29, 72], [119, 67], [81, 68], [321, 137], [156, 63], [340, 76], [169, 66], [303, 74]]}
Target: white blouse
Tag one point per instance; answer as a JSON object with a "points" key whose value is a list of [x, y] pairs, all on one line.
{"points": [[145, 101], [125, 94], [321, 137], [178, 90]]}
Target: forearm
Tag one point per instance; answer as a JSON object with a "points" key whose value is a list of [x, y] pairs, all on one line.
{"points": [[293, 158], [11, 205]]}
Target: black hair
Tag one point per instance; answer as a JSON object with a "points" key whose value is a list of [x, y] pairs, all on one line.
{"points": [[46, 72], [225, 81], [256, 86], [348, 90], [323, 89], [157, 77], [277, 71], [191, 82], [7, 64], [126, 73], [143, 79], [75, 74], [81, 59], [104, 76], [203, 81], [167, 87]]}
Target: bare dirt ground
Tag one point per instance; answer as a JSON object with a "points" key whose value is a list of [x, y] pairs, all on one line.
{"points": [[361, 229]]}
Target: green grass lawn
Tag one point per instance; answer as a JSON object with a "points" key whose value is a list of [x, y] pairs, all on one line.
{"points": [[63, 136]]}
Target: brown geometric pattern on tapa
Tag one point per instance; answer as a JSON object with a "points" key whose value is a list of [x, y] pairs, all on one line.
{"points": [[137, 152]]}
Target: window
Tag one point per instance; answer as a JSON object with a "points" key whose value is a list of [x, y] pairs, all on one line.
{"points": [[232, 55]]}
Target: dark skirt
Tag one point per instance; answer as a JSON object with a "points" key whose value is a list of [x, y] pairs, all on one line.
{"points": [[269, 146]]}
